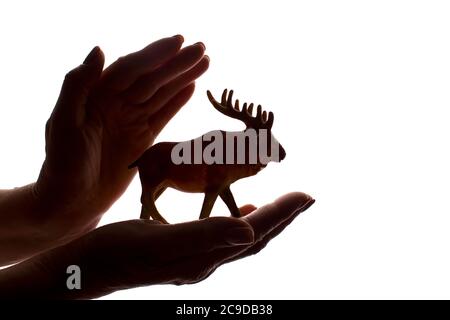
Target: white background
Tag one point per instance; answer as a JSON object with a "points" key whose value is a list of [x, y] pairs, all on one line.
{"points": [[360, 92]]}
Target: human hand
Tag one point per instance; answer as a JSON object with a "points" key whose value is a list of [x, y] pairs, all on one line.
{"points": [[144, 252], [103, 121]]}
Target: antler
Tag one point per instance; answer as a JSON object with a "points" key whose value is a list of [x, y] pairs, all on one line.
{"points": [[260, 121]]}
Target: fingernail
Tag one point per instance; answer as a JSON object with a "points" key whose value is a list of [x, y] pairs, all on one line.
{"points": [[240, 236], [91, 56], [179, 36], [200, 44], [305, 206]]}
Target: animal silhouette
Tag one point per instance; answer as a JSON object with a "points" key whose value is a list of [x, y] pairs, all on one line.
{"points": [[215, 163]]}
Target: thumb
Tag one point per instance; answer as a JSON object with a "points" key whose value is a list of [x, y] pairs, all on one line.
{"points": [[71, 105]]}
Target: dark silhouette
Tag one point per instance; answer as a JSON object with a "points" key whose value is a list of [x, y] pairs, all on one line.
{"points": [[103, 120]]}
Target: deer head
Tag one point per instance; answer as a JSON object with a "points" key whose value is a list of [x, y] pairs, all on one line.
{"points": [[262, 122]]}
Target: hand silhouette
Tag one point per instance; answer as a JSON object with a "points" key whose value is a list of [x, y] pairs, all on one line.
{"points": [[103, 121], [144, 252]]}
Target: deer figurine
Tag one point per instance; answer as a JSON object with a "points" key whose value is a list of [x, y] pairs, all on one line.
{"points": [[173, 164]]}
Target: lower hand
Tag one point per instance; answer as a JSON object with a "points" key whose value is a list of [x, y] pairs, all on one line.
{"points": [[143, 252]]}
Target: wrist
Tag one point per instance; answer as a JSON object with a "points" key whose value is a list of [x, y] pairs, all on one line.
{"points": [[71, 194], [69, 208], [40, 277], [51, 275], [29, 225], [62, 221]]}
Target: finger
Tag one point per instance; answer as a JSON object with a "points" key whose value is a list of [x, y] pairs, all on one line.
{"points": [[198, 237], [193, 269], [261, 244], [126, 70], [146, 86], [197, 268], [246, 209], [71, 105], [166, 93], [268, 217], [226, 255], [158, 121]]}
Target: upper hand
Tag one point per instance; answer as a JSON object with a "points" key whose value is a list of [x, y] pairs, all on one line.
{"points": [[104, 120]]}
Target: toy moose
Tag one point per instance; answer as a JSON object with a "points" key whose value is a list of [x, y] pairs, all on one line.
{"points": [[157, 170]]}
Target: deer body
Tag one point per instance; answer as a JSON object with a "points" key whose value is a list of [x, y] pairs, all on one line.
{"points": [[157, 170]]}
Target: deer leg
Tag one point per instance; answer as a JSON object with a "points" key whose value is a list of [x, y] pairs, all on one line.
{"points": [[145, 200], [149, 210], [228, 198], [208, 203], [148, 204], [145, 213], [154, 213], [159, 192]]}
